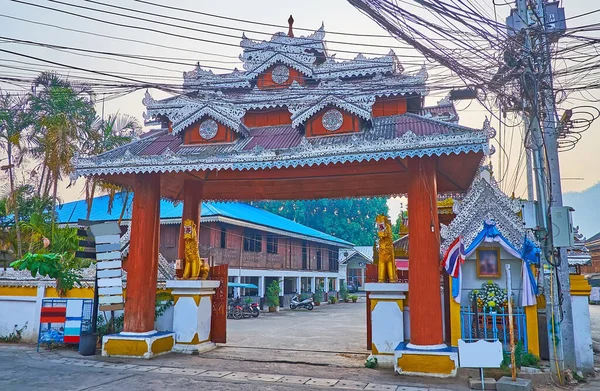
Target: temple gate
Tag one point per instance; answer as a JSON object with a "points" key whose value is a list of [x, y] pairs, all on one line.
{"points": [[296, 124]]}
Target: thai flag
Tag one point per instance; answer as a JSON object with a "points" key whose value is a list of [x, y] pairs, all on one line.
{"points": [[453, 258]]}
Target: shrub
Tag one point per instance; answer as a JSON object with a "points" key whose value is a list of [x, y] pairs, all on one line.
{"points": [[522, 357], [344, 291], [333, 299], [354, 298], [371, 362], [318, 296], [272, 296]]}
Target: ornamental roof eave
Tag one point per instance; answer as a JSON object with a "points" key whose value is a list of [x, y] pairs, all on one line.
{"points": [[485, 201], [356, 148]]}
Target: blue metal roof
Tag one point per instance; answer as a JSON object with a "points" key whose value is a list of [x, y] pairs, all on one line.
{"points": [[71, 212]]}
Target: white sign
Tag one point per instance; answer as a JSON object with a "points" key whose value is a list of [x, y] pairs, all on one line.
{"points": [[480, 354]]}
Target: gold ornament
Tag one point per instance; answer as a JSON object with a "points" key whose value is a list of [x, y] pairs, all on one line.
{"points": [[195, 267], [386, 263]]}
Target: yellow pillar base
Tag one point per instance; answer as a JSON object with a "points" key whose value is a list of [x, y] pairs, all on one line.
{"points": [[431, 363], [144, 345]]}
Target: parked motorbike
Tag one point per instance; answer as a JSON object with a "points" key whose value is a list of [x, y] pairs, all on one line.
{"points": [[238, 310], [306, 303]]}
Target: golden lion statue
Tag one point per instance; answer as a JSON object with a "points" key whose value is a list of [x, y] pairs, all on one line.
{"points": [[386, 266], [195, 267]]}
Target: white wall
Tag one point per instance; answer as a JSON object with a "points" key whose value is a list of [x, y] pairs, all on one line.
{"points": [[19, 311], [584, 354], [471, 281], [25, 310]]}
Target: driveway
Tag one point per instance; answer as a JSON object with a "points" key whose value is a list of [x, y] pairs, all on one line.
{"points": [[333, 327], [328, 335]]}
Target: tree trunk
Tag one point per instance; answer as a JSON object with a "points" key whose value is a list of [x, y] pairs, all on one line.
{"points": [[41, 184], [124, 207], [48, 182], [90, 202], [54, 193], [14, 200]]}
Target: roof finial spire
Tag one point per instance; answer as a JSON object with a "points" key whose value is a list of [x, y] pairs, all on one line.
{"points": [[291, 28]]}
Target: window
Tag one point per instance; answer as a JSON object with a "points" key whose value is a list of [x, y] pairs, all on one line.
{"points": [[223, 237], [333, 260], [319, 260], [304, 256], [272, 245], [252, 241]]}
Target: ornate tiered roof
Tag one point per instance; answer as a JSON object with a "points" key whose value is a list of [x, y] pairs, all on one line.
{"points": [[485, 202], [305, 82]]}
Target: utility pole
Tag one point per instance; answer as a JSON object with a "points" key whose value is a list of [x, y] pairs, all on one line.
{"points": [[537, 83], [550, 137]]}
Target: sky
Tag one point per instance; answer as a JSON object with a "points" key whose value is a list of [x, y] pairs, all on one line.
{"points": [[581, 166]]}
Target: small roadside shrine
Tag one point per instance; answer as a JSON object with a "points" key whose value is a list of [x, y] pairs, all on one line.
{"points": [[493, 236], [296, 123]]}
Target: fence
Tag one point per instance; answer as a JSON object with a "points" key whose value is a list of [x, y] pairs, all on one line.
{"points": [[492, 326]]}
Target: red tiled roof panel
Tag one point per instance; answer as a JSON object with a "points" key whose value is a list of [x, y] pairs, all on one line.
{"points": [[160, 144], [274, 137]]}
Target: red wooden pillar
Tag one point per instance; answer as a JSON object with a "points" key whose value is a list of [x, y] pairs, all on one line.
{"points": [[192, 200], [424, 256], [142, 263]]}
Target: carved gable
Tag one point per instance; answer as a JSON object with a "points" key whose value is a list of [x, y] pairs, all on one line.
{"points": [[331, 121], [208, 131]]}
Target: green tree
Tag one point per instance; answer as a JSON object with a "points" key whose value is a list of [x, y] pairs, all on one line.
{"points": [[14, 119], [117, 130], [63, 115], [351, 219]]}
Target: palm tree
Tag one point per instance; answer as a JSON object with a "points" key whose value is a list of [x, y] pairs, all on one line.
{"points": [[14, 119], [117, 130], [63, 116]]}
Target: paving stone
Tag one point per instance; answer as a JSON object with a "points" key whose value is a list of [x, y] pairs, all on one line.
{"points": [[143, 368], [106, 365], [188, 371], [239, 375], [321, 382], [215, 373], [265, 377], [380, 387], [81, 363], [410, 388], [350, 384], [294, 379], [164, 370]]}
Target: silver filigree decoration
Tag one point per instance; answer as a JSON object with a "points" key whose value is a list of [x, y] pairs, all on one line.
{"points": [[280, 74], [332, 120], [208, 129]]}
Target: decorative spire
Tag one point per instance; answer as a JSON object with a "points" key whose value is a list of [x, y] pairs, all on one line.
{"points": [[291, 27]]}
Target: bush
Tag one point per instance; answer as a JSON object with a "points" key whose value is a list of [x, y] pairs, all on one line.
{"points": [[354, 298], [272, 296], [318, 296], [522, 358], [371, 362], [344, 291], [333, 300]]}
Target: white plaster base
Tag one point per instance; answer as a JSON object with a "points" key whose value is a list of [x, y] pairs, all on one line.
{"points": [[584, 354], [387, 317], [192, 313], [194, 349]]}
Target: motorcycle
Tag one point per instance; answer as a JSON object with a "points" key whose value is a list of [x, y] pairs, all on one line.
{"points": [[251, 310], [238, 310], [306, 303]]}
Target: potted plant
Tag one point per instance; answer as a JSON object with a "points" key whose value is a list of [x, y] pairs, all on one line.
{"points": [[354, 298], [344, 292], [272, 296], [318, 297], [332, 300]]}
